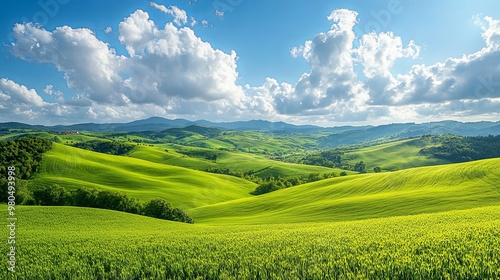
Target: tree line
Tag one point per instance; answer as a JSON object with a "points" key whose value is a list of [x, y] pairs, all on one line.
{"points": [[461, 149], [56, 195], [277, 183], [106, 147]]}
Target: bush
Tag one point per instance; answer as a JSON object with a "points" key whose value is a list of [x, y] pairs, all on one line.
{"points": [[161, 209]]}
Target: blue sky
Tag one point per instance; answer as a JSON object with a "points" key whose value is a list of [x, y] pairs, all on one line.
{"points": [[316, 62]]}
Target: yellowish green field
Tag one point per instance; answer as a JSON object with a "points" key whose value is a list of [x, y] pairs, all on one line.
{"points": [[75, 243]]}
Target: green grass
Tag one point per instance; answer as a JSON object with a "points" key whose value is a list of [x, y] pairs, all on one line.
{"points": [[406, 192], [71, 167], [233, 160], [79, 243], [392, 156]]}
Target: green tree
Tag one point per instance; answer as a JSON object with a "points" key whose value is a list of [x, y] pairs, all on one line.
{"points": [[54, 195], [377, 169], [360, 167]]}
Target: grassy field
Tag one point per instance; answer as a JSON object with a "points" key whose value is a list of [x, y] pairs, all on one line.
{"points": [[71, 167], [76, 243], [434, 222], [406, 192], [233, 160], [396, 155]]}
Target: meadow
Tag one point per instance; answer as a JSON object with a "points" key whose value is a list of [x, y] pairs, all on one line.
{"points": [[79, 243]]}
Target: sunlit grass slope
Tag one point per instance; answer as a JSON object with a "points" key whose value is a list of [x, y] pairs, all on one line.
{"points": [[395, 155], [406, 192], [72, 167], [84, 243], [234, 161]]}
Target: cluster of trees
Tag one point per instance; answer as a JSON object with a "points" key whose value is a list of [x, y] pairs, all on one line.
{"points": [[360, 167], [106, 147], [461, 149], [247, 175], [56, 195], [24, 153], [331, 158], [273, 184], [208, 155]]}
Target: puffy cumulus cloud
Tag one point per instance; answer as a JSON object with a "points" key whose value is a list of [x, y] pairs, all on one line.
{"points": [[378, 52], [13, 94], [180, 16], [333, 90], [172, 62], [19, 103], [89, 65], [472, 77], [491, 31], [164, 67], [332, 77]]}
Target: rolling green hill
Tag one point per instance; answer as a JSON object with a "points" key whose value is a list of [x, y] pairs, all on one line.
{"points": [[72, 167], [396, 155], [406, 192], [233, 160]]}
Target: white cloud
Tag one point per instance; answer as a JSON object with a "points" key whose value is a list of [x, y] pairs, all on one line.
{"points": [[332, 79], [89, 65], [193, 21], [172, 62], [378, 52], [219, 13], [108, 30], [205, 23], [16, 94], [180, 16]]}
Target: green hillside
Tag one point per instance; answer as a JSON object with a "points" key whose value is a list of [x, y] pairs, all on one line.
{"points": [[406, 192], [396, 155], [83, 243], [233, 160], [71, 167]]}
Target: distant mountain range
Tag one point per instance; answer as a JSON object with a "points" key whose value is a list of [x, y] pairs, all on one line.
{"points": [[336, 136], [159, 124]]}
